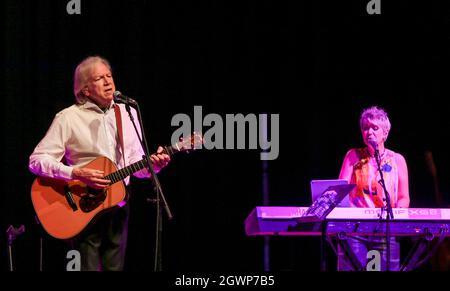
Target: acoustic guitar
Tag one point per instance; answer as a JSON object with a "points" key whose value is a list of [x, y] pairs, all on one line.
{"points": [[66, 208]]}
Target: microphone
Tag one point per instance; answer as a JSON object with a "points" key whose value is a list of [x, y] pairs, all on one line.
{"points": [[120, 98], [373, 143]]}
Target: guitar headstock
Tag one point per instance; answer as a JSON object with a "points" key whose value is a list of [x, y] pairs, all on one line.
{"points": [[191, 142]]}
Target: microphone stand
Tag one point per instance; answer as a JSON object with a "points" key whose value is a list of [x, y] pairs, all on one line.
{"points": [[389, 212], [157, 186], [12, 233]]}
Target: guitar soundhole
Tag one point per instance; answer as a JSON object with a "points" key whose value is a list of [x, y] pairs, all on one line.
{"points": [[92, 199]]}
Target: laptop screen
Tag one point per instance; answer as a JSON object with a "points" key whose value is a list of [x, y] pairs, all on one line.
{"points": [[328, 199], [319, 186]]}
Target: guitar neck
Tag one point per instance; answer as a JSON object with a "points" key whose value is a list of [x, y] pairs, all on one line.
{"points": [[135, 167], [170, 150]]}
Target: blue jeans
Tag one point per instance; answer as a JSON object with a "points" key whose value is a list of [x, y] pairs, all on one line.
{"points": [[361, 246]]}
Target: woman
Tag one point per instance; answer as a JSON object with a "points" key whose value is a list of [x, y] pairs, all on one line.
{"points": [[360, 167]]}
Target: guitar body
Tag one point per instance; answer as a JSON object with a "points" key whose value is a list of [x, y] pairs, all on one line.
{"points": [[65, 208], [59, 219]]}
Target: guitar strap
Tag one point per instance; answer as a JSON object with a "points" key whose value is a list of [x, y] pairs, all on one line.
{"points": [[119, 129]]}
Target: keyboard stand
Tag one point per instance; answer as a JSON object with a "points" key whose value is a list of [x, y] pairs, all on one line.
{"points": [[420, 247], [341, 241], [323, 237]]}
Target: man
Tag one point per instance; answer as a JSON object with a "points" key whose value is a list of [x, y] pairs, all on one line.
{"points": [[81, 133]]}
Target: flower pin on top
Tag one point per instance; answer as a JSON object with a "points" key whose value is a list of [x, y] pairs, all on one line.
{"points": [[386, 168]]}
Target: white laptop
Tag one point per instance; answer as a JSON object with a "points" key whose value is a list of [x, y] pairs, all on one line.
{"points": [[319, 186], [326, 195]]}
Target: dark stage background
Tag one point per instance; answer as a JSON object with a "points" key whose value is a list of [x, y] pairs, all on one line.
{"points": [[315, 63]]}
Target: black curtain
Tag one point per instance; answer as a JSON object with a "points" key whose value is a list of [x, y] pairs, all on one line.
{"points": [[315, 63]]}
